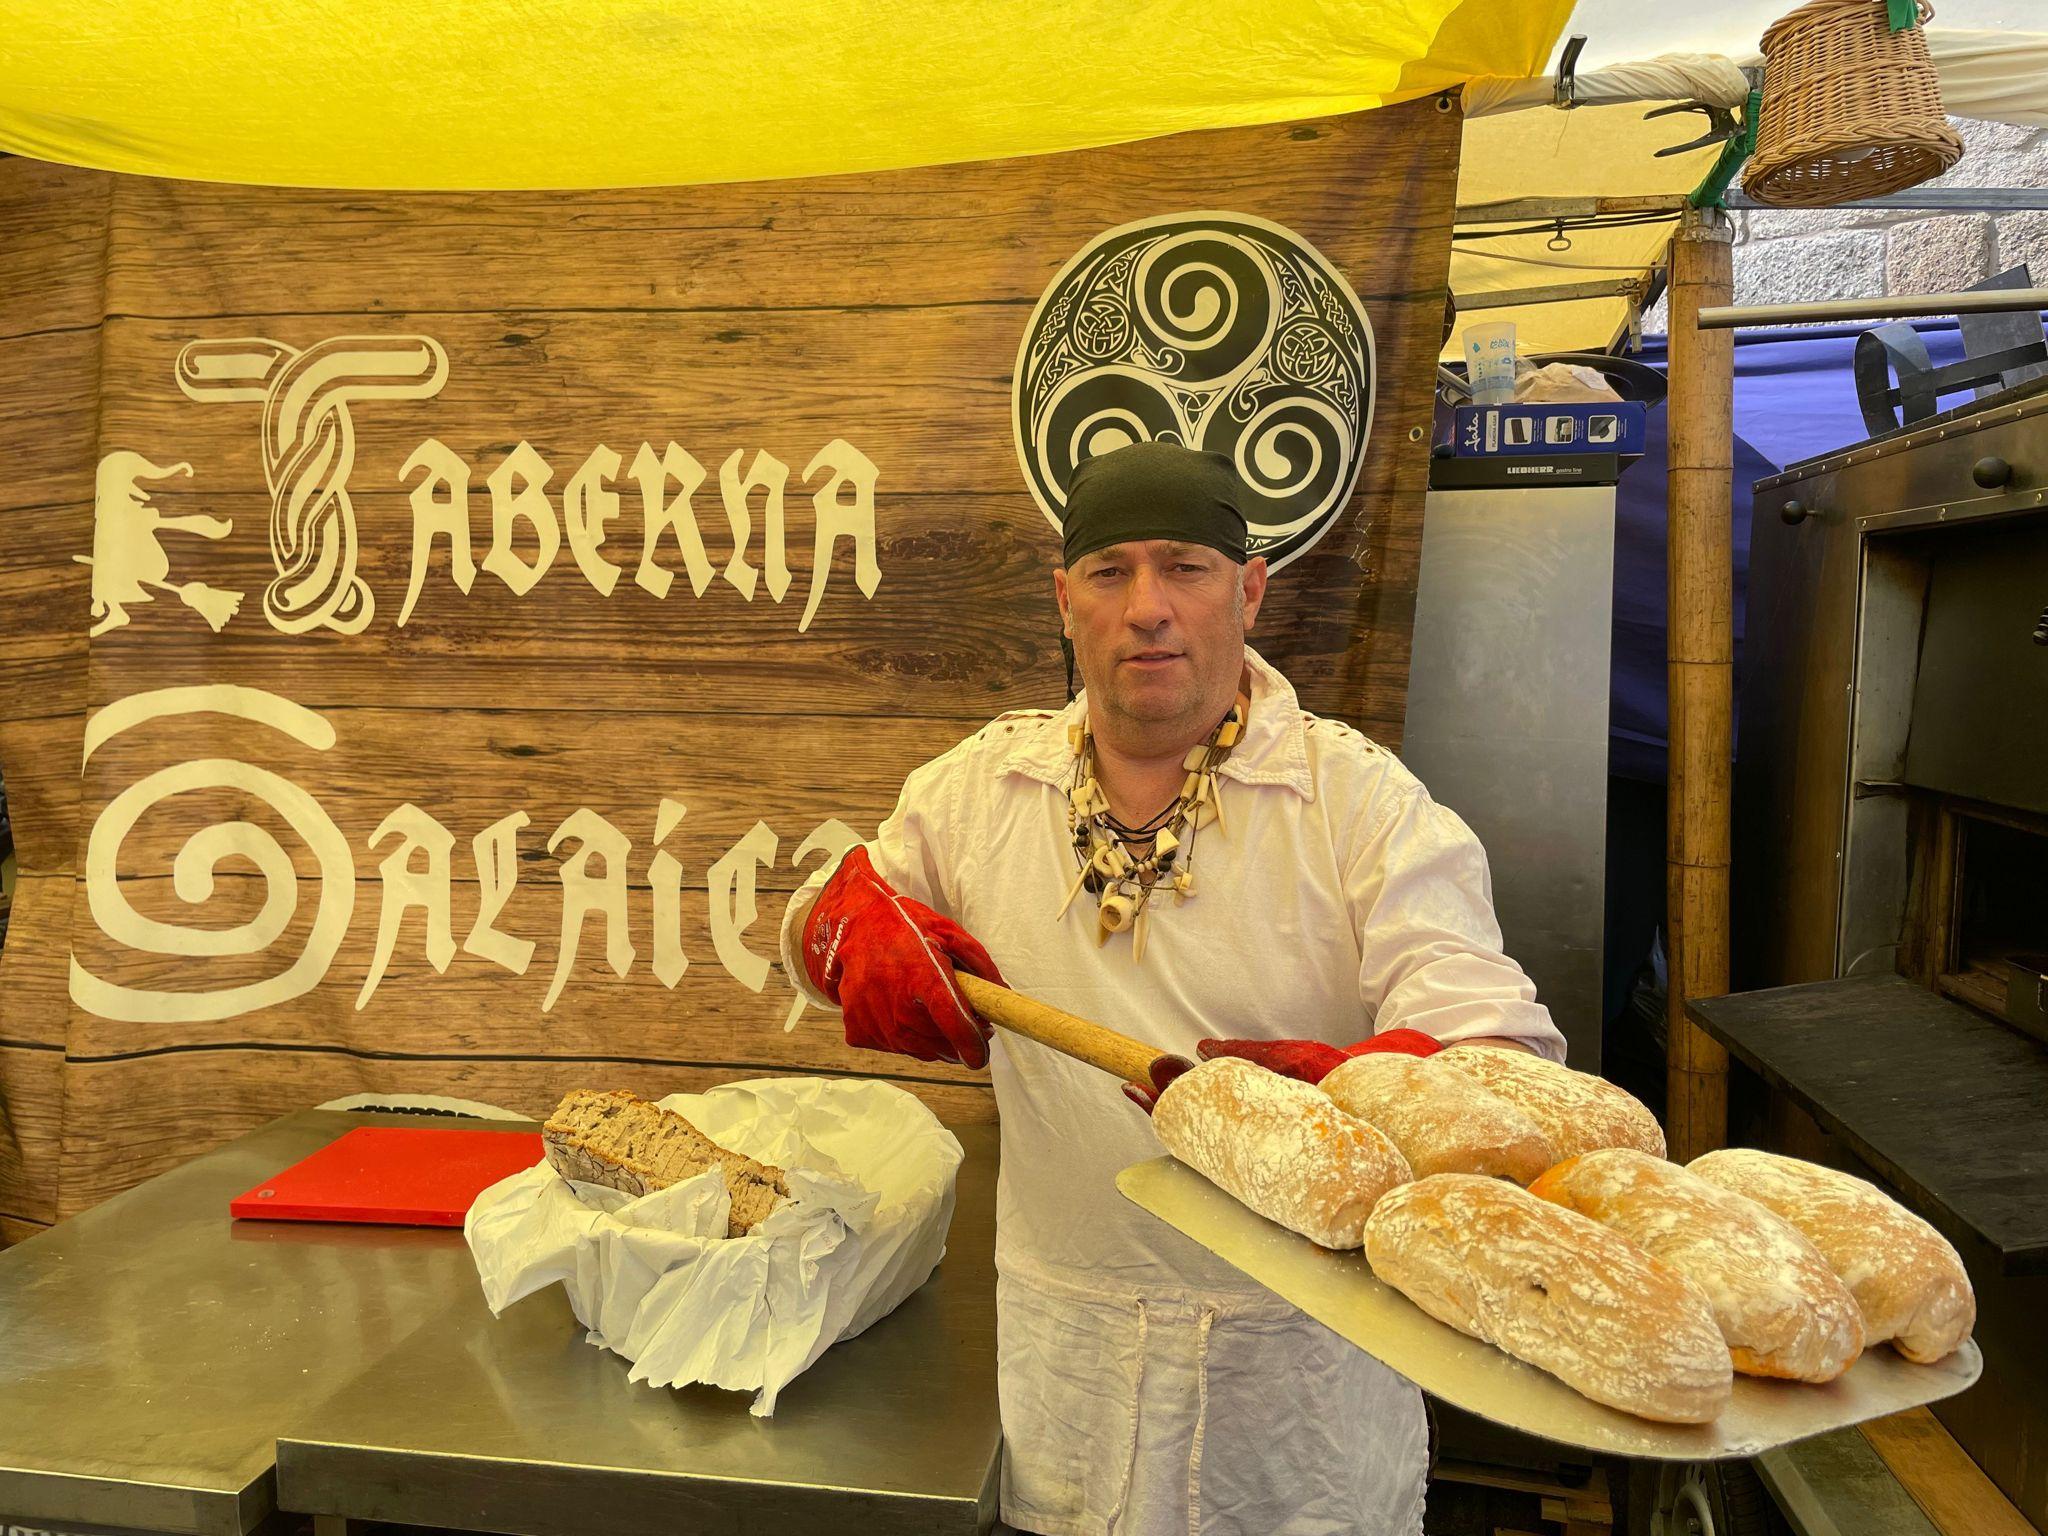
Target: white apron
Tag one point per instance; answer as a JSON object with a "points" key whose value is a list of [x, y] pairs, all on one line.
{"points": [[1147, 1387]]}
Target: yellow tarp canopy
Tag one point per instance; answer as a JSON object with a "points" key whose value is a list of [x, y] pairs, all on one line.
{"points": [[1591, 152], [418, 94]]}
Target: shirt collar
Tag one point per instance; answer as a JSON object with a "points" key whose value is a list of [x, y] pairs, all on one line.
{"points": [[1273, 750]]}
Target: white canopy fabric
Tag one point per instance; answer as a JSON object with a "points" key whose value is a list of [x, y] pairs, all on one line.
{"points": [[2002, 76], [1668, 77], [1997, 75], [1991, 56], [1617, 31]]}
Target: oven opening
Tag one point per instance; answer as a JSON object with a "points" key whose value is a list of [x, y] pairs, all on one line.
{"points": [[1997, 951]]}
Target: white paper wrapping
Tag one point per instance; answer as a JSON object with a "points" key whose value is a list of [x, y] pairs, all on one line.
{"points": [[654, 1278]]}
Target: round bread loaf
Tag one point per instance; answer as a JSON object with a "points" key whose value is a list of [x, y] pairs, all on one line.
{"points": [[1550, 1287], [1557, 1291], [1777, 1302], [1577, 1111], [1443, 1120], [1905, 1277], [1280, 1146]]}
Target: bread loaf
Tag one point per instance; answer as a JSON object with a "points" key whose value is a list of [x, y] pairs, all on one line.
{"points": [[1905, 1277], [1550, 1287], [1776, 1301], [1280, 1146], [1441, 1119], [623, 1142], [1577, 1111]]}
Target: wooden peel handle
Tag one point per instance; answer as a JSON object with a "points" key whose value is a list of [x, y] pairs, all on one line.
{"points": [[1118, 1055]]}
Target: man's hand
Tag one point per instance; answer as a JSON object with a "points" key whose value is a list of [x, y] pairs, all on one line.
{"points": [[1164, 1071], [888, 962], [1311, 1061]]}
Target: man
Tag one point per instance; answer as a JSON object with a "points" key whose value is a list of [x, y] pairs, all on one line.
{"points": [[1146, 1386]]}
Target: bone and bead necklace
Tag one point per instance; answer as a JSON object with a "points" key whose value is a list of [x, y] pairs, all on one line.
{"points": [[1124, 865]]}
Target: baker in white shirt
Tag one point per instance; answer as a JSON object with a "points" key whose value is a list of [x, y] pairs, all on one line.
{"points": [[1186, 855]]}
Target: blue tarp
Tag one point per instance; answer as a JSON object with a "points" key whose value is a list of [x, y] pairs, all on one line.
{"points": [[1795, 397]]}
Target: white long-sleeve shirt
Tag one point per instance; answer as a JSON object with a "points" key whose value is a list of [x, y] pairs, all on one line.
{"points": [[1336, 901], [1146, 1384]]}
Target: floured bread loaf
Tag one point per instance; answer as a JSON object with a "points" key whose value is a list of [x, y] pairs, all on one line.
{"points": [[1441, 1119], [1550, 1287], [1904, 1275], [624, 1142], [1777, 1302], [1577, 1111], [1280, 1146]]}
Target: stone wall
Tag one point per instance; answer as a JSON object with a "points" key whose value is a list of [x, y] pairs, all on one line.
{"points": [[1786, 255]]}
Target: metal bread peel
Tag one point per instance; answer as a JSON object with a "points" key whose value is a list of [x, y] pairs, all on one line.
{"points": [[1339, 1291]]}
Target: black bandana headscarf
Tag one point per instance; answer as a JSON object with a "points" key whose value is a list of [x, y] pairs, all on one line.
{"points": [[1153, 491]]}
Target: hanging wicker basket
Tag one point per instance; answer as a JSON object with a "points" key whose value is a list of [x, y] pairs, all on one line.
{"points": [[1851, 108]]}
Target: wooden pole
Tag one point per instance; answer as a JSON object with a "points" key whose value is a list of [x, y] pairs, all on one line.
{"points": [[1095, 1044], [1701, 655]]}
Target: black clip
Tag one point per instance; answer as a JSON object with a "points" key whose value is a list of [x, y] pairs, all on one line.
{"points": [[1564, 91], [1721, 125]]}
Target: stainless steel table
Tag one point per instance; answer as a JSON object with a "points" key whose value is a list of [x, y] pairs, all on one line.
{"points": [[165, 1369], [150, 1348], [515, 1424]]}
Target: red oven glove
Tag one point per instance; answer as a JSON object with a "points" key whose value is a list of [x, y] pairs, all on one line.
{"points": [[888, 961], [1311, 1060], [1164, 1071]]}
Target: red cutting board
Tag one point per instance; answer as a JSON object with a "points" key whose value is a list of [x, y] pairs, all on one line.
{"points": [[393, 1175]]}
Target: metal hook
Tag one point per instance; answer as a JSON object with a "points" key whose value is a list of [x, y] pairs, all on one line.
{"points": [[1560, 241]]}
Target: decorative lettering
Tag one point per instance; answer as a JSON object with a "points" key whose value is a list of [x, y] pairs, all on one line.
{"points": [[496, 850], [519, 492], [733, 908], [193, 869], [587, 505], [665, 875], [415, 873], [584, 893], [309, 448], [657, 514], [853, 519], [406, 887], [440, 505], [769, 474]]}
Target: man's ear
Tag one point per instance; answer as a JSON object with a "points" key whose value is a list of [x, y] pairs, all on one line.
{"points": [[1059, 592], [1254, 590]]}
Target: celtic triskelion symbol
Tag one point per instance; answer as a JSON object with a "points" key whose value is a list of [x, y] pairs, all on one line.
{"points": [[1222, 331]]}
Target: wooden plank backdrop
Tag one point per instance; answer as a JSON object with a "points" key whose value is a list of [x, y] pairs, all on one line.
{"points": [[880, 311]]}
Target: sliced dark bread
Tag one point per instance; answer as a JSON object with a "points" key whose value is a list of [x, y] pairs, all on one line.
{"points": [[623, 1142]]}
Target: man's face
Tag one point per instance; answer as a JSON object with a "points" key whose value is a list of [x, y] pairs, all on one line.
{"points": [[1158, 628]]}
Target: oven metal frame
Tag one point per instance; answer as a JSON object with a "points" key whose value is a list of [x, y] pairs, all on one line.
{"points": [[1844, 553], [1838, 586]]}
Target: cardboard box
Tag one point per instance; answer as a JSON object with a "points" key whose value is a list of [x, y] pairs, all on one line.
{"points": [[1504, 473], [1486, 431]]}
